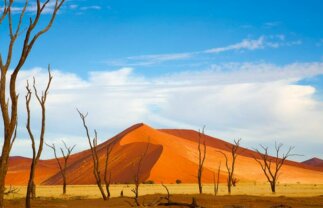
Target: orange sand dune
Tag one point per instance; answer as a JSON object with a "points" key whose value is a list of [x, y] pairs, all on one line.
{"points": [[172, 155]]}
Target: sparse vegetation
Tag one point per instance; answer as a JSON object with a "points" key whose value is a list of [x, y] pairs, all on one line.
{"points": [[93, 146], [66, 156], [178, 181], [201, 158], [36, 153], [272, 165], [230, 168]]}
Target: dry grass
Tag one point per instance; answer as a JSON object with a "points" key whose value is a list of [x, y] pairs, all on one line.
{"points": [[91, 191]]}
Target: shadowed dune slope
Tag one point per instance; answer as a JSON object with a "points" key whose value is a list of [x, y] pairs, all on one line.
{"points": [[314, 162], [172, 155]]}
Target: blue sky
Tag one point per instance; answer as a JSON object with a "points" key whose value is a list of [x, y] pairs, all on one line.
{"points": [[87, 35], [246, 69]]}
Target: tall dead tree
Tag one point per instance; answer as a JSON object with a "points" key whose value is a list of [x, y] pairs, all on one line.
{"points": [[272, 165], [9, 104], [31, 188], [201, 157], [230, 168], [107, 171], [62, 167], [217, 182], [137, 178], [93, 146]]}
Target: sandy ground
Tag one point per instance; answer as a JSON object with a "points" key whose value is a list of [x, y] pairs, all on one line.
{"points": [[236, 201]]}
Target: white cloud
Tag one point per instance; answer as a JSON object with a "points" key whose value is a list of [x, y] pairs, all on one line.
{"points": [[258, 102], [32, 8], [272, 41], [93, 7], [270, 25], [248, 44]]}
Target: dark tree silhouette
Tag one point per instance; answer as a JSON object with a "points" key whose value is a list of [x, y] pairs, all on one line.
{"points": [[230, 168], [201, 157], [138, 173], [272, 165], [31, 187], [107, 171], [9, 104], [93, 146], [217, 182], [62, 167]]}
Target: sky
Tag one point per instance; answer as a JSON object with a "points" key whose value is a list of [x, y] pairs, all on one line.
{"points": [[246, 69]]}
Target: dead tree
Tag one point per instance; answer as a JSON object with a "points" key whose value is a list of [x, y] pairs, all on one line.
{"points": [[107, 172], [230, 168], [12, 190], [93, 146], [272, 165], [217, 182], [9, 104], [169, 203], [31, 187], [66, 156], [201, 157], [138, 173]]}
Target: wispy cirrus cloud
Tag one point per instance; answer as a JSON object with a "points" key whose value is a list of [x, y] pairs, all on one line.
{"points": [[270, 25], [247, 44], [273, 41], [93, 7], [146, 60], [32, 8]]}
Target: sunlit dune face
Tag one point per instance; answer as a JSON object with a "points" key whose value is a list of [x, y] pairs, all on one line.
{"points": [[172, 155]]}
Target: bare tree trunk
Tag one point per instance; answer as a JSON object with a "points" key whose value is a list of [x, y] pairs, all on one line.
{"points": [[230, 169], [216, 184], [66, 156], [201, 157], [229, 184], [9, 106], [138, 173], [107, 180], [95, 158], [273, 187], [31, 188], [64, 185]]}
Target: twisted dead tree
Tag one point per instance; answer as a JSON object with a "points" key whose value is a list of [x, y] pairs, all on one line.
{"points": [[230, 168], [62, 167], [201, 157], [31, 187], [138, 173], [93, 146], [272, 165], [9, 104], [107, 172]]}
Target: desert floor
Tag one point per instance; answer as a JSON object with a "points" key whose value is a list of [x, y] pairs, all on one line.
{"points": [[244, 195]]}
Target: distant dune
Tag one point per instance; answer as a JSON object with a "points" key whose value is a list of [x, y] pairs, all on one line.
{"points": [[314, 162], [172, 155]]}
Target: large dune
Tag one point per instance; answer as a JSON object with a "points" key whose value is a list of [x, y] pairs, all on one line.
{"points": [[172, 155]]}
